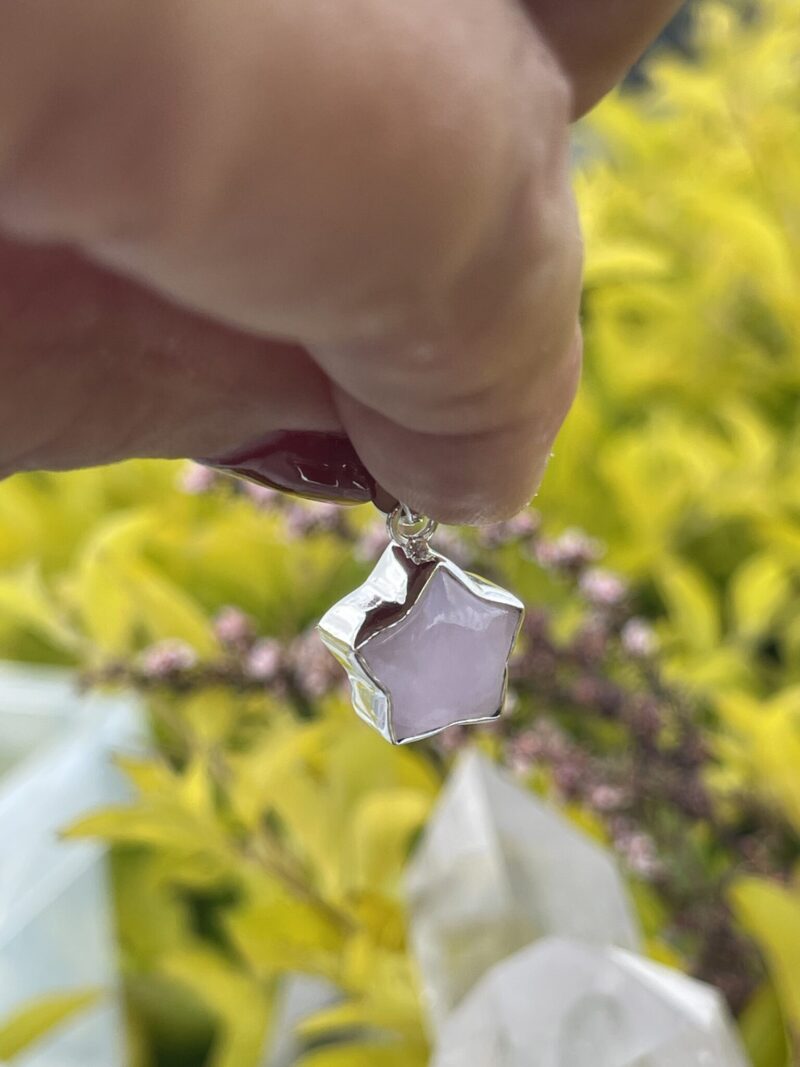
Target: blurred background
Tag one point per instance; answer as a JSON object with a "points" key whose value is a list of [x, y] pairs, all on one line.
{"points": [[233, 890]]}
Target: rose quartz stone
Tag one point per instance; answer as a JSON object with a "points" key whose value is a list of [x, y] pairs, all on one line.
{"points": [[445, 662]]}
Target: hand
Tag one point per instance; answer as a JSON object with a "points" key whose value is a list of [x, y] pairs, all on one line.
{"points": [[221, 220]]}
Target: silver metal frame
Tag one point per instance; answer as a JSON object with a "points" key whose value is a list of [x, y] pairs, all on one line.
{"points": [[348, 626]]}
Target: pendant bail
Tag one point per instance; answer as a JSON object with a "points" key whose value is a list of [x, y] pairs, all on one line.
{"points": [[412, 532]]}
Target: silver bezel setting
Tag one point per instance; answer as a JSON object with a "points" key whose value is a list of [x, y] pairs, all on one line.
{"points": [[391, 591]]}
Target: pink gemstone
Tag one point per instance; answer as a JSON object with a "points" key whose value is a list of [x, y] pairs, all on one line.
{"points": [[445, 662]]}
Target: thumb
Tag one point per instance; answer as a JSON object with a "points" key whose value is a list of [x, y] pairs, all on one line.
{"points": [[383, 185]]}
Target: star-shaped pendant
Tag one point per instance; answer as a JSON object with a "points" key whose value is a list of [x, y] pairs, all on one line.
{"points": [[425, 644]]}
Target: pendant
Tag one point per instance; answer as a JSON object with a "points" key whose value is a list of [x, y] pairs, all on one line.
{"points": [[425, 644]]}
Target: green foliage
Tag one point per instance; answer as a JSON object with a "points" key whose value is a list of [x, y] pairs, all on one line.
{"points": [[764, 1030], [302, 834], [261, 844], [772, 913], [684, 449]]}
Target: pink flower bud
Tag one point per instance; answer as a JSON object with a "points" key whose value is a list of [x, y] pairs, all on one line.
{"points": [[167, 657], [264, 660]]}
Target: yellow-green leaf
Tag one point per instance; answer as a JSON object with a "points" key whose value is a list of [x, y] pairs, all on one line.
{"points": [[259, 774], [768, 736], [279, 932], [618, 262], [371, 1054], [102, 596], [382, 829], [152, 777], [764, 1030], [771, 913], [34, 1021], [163, 608], [25, 599], [241, 1004], [759, 589], [211, 713], [163, 825], [368, 1014], [384, 979], [691, 604]]}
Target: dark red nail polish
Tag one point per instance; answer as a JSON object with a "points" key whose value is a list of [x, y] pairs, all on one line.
{"points": [[320, 466]]}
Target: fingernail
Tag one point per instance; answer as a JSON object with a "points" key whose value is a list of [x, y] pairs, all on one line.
{"points": [[319, 466]]}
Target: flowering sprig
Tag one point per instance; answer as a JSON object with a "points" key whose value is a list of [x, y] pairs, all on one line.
{"points": [[591, 710], [646, 782]]}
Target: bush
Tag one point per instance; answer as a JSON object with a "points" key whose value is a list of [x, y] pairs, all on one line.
{"points": [[660, 704]]}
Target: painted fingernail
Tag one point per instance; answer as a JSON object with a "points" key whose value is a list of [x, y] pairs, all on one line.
{"points": [[319, 466]]}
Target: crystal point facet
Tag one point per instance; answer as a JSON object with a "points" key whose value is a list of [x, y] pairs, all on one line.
{"points": [[561, 1003], [496, 869]]}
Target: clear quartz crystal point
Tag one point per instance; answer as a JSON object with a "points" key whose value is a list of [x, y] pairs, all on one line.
{"points": [[56, 908], [497, 869], [561, 1003]]}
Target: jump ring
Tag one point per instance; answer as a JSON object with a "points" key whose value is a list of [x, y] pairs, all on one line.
{"points": [[407, 527]]}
